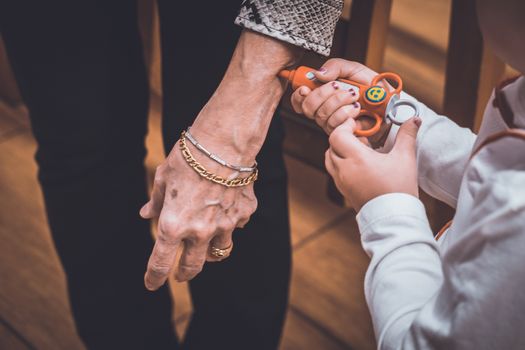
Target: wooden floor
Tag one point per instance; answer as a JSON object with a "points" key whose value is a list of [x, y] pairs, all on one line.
{"points": [[327, 309]]}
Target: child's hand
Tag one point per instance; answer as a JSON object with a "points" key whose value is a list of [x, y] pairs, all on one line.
{"points": [[362, 174], [329, 105]]}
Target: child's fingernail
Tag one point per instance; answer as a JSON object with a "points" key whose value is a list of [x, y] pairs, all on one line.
{"points": [[322, 70], [335, 85], [302, 92], [355, 104], [417, 121]]}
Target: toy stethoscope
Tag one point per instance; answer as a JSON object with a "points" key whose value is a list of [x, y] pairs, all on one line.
{"points": [[376, 102]]}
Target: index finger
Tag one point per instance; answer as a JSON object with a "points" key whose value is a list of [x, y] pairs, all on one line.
{"points": [[339, 68], [161, 261]]}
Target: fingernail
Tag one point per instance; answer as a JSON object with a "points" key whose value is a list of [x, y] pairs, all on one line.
{"points": [[335, 85], [417, 121], [355, 104], [322, 70]]}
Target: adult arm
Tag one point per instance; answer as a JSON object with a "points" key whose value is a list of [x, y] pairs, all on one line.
{"points": [[193, 212]]}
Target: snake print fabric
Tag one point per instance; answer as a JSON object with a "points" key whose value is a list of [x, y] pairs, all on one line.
{"points": [[306, 23]]}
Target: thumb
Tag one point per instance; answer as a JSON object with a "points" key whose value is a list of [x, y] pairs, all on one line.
{"points": [[152, 209], [406, 136]]}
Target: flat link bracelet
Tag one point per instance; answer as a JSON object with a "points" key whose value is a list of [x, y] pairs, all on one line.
{"points": [[242, 169], [201, 170]]}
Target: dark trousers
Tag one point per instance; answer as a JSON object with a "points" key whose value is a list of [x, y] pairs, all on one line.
{"points": [[80, 69]]}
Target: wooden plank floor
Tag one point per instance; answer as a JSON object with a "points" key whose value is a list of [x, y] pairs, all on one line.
{"points": [[327, 305]]}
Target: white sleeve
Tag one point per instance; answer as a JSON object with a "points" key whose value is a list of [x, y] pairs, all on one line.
{"points": [[474, 298], [405, 268], [443, 149]]}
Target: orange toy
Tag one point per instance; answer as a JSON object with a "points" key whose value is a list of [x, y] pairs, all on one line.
{"points": [[376, 101]]}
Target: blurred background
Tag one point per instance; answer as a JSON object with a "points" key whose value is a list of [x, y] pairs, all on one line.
{"points": [[437, 49]]}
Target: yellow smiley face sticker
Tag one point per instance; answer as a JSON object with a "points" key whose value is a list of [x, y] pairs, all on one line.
{"points": [[375, 94]]}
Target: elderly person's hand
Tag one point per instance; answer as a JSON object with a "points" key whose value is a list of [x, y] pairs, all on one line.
{"points": [[194, 213]]}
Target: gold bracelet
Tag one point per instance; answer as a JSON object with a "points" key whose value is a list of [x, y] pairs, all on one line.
{"points": [[201, 170]]}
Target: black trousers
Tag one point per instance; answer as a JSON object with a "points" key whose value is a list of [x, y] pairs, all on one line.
{"points": [[80, 69]]}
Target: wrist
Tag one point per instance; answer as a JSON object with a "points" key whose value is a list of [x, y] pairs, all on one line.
{"points": [[237, 117], [259, 57], [210, 168]]}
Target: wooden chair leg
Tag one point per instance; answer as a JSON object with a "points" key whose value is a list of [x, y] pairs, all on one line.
{"points": [[492, 71], [472, 68], [367, 32]]}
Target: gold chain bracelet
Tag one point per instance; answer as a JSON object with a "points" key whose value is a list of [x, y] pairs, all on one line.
{"points": [[201, 170]]}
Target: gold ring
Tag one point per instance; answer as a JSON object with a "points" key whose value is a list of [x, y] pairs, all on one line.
{"points": [[221, 253]]}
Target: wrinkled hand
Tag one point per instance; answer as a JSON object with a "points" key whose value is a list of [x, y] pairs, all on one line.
{"points": [[193, 214], [361, 174]]}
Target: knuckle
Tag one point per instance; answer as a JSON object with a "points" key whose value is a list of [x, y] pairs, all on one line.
{"points": [[159, 269], [200, 228], [322, 114], [307, 110], [332, 61], [226, 226], [336, 137], [252, 207], [166, 239], [168, 225], [201, 237], [157, 180], [201, 233], [243, 219], [191, 269], [332, 123]]}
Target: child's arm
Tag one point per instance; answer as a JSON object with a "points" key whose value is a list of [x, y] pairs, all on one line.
{"points": [[474, 298], [418, 300]]}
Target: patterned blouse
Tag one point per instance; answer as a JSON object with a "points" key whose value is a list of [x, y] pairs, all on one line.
{"points": [[306, 23]]}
